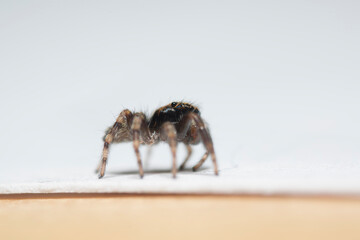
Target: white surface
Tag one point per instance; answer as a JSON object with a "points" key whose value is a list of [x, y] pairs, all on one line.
{"points": [[244, 179], [276, 175], [278, 83]]}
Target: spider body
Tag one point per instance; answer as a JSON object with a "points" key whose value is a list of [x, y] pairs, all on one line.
{"points": [[172, 123], [172, 113]]}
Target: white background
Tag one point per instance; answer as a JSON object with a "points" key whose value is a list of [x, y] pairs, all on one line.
{"points": [[277, 81]]}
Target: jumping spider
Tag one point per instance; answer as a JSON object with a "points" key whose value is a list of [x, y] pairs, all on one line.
{"points": [[175, 122]]}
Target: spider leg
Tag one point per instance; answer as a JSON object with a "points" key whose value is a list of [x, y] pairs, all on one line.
{"points": [[184, 127], [136, 126], [189, 151], [125, 115], [202, 160], [168, 133]]}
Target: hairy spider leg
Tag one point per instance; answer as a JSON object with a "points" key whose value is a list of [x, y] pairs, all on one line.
{"points": [[135, 128], [168, 132], [125, 115], [184, 126], [202, 160], [189, 152]]}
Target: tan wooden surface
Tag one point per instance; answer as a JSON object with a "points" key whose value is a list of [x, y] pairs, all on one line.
{"points": [[179, 217]]}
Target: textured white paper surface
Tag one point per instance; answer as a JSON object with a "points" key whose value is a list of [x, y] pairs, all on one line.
{"points": [[259, 177], [229, 182]]}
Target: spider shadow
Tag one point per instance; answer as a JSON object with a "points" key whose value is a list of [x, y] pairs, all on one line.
{"points": [[153, 171]]}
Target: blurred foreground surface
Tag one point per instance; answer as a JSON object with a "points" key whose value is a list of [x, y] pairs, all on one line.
{"points": [[177, 217]]}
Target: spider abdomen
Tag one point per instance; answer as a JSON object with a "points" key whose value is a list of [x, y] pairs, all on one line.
{"points": [[172, 113]]}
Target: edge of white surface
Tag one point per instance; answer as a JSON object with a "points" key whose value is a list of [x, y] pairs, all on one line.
{"points": [[187, 185]]}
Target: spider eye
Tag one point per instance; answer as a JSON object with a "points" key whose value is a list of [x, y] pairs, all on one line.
{"points": [[173, 104]]}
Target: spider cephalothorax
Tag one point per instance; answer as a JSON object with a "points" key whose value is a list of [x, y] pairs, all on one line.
{"points": [[175, 122]]}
